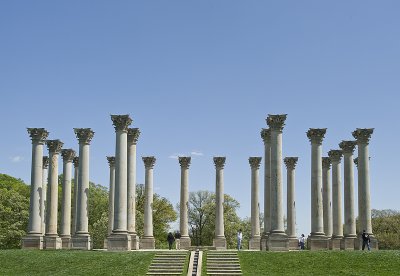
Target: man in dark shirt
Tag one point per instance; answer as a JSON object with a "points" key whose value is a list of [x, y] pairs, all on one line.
{"points": [[366, 240]]}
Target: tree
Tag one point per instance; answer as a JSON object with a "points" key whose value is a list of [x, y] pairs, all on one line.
{"points": [[386, 228]]}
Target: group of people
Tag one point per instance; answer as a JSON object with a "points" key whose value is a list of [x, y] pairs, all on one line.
{"points": [[171, 238]]}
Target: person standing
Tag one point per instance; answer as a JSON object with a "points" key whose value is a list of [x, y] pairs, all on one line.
{"points": [[170, 239], [366, 240], [239, 239], [302, 241]]}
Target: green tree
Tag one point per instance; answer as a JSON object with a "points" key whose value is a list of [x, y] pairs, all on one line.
{"points": [[386, 228]]}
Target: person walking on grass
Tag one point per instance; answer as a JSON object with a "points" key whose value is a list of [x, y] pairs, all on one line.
{"points": [[239, 239], [170, 239], [366, 240]]}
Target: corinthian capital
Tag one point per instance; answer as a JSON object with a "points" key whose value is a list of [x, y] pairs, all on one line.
{"points": [[185, 162], [335, 155], [133, 135], [219, 162], [54, 146], [149, 162], [68, 155], [38, 135], [255, 162], [266, 135], [276, 122], [348, 146], [111, 161], [84, 135], [316, 135], [290, 162], [355, 160], [326, 162], [76, 161], [362, 135], [121, 122], [45, 162]]}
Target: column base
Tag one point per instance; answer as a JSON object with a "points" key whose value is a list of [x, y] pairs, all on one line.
{"points": [[318, 241], [134, 241], [255, 243], [66, 242], [219, 243], [105, 244], [52, 242], [82, 242], [293, 243], [119, 242], [278, 242], [334, 242], [32, 242], [348, 243], [264, 240], [184, 242], [147, 243]]}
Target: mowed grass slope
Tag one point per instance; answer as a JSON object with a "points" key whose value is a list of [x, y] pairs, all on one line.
{"points": [[320, 263]]}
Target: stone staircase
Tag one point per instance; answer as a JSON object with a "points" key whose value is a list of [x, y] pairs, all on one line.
{"points": [[168, 263], [223, 263]]}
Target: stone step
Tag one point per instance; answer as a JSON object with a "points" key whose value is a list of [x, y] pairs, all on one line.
{"points": [[166, 266], [222, 268], [163, 273], [225, 273]]}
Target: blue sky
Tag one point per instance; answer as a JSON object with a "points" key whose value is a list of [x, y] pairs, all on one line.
{"points": [[199, 78]]}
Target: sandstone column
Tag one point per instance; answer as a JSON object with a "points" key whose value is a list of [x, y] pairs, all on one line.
{"points": [[291, 202], [277, 240], [317, 237], [255, 239], [326, 196], [266, 137], [120, 239], [184, 202], [337, 224], [111, 194], [82, 239], [133, 136], [34, 239], [76, 192], [65, 234], [52, 240], [219, 241], [148, 242], [43, 193], [363, 135]]}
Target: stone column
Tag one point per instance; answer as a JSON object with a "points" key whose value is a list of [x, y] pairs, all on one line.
{"points": [[82, 239], [327, 196], [43, 193], [34, 239], [266, 137], [348, 242], [148, 242], [111, 195], [120, 239], [337, 224], [52, 240], [65, 234], [277, 240], [76, 192], [184, 202], [133, 136], [290, 163], [317, 239], [255, 239], [219, 241], [363, 135]]}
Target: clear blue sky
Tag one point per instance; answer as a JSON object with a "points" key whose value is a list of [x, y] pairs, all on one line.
{"points": [[201, 76]]}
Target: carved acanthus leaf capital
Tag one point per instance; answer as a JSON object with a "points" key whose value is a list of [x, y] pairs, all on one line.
{"points": [[184, 161], [54, 146], [38, 135], [326, 162], [335, 155], [255, 162], [84, 135], [290, 162], [348, 146], [316, 135], [68, 155], [362, 135], [121, 122], [76, 161], [219, 162], [276, 122], [266, 135], [111, 161], [149, 161], [45, 162], [133, 135], [355, 160]]}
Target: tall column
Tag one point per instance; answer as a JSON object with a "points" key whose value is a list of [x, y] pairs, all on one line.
{"points": [[327, 196], [133, 136], [148, 242], [266, 137], [82, 239], [76, 192], [255, 239], [120, 239], [184, 202], [348, 243], [290, 163], [219, 241], [52, 240], [43, 193], [111, 194], [34, 239], [317, 237], [65, 234], [337, 223], [277, 240], [363, 135]]}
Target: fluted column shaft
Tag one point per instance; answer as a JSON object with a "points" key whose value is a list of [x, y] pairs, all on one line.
{"points": [[111, 194], [43, 194], [76, 192], [184, 200], [337, 227], [68, 156], [255, 180], [219, 197], [327, 196], [291, 200], [133, 135], [148, 193], [266, 136]]}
